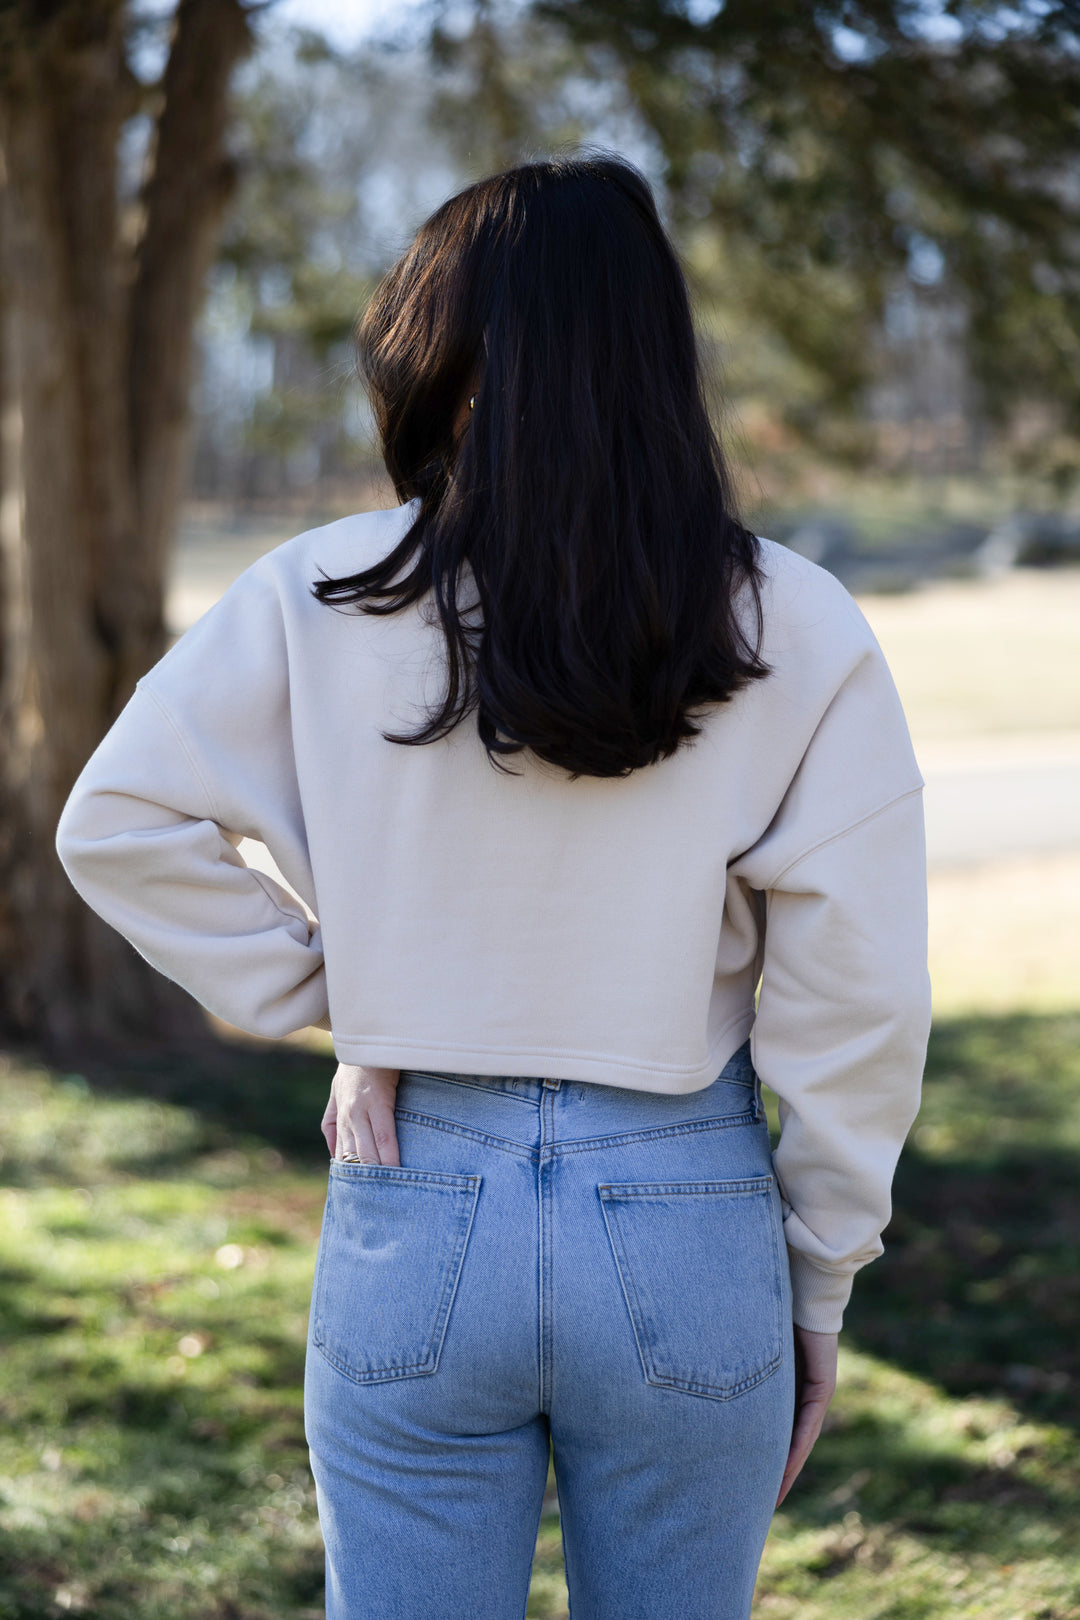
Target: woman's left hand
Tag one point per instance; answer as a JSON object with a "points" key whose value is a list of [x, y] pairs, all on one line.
{"points": [[359, 1117], [815, 1386]]}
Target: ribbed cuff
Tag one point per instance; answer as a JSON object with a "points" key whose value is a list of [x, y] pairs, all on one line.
{"points": [[818, 1296]]}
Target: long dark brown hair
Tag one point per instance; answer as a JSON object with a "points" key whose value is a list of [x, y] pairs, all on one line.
{"points": [[587, 497]]}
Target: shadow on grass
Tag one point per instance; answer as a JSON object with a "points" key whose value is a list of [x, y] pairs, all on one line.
{"points": [[273, 1091], [978, 1294], [979, 1285], [874, 1464]]}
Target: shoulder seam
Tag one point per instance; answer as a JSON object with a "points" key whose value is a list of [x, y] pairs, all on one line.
{"points": [[143, 686], [842, 832]]}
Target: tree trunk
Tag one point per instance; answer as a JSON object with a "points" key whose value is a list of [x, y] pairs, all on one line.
{"points": [[95, 356], [191, 181]]}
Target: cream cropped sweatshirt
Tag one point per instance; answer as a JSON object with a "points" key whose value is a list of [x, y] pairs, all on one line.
{"points": [[446, 916]]}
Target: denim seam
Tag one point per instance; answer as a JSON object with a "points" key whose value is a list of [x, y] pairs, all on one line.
{"points": [[710, 1391], [629, 1287], [492, 1091], [411, 1368], [779, 1267], [454, 1129], [454, 1275], [647, 1357], [342, 1171], [545, 1203], [442, 1316], [592, 1143], [740, 1188]]}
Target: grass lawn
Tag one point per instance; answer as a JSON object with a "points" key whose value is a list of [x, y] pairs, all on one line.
{"points": [[1005, 937], [156, 1262], [953, 651]]}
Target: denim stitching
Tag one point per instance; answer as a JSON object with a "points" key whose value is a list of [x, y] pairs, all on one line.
{"points": [[453, 1271], [689, 1127], [628, 1286], [589, 1145], [492, 1091], [342, 1171], [428, 1364], [629, 1190], [454, 1129], [711, 1391], [545, 1203], [454, 1276], [685, 1189]]}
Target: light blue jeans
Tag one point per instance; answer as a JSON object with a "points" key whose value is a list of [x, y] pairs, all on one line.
{"points": [[558, 1265]]}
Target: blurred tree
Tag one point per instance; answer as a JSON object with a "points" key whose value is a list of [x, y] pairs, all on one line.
{"points": [[813, 155], [291, 256], [511, 87], [315, 131], [99, 294], [341, 156]]}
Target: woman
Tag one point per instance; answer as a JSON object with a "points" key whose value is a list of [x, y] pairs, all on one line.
{"points": [[590, 762]]}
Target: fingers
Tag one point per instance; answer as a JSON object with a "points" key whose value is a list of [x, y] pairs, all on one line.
{"points": [[355, 1136], [808, 1425], [365, 1126], [329, 1124], [384, 1133], [815, 1383]]}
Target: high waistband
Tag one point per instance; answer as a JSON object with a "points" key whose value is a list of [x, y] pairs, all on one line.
{"points": [[739, 1068], [530, 1114]]}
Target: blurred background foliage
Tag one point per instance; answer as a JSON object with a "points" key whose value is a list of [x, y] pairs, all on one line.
{"points": [[878, 203]]}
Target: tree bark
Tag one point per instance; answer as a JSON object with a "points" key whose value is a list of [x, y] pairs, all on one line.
{"points": [[95, 356], [189, 185]]}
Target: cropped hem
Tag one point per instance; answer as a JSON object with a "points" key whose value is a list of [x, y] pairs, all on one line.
{"points": [[547, 1063]]}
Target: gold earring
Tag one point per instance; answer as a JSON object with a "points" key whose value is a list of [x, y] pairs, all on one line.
{"points": [[472, 402]]}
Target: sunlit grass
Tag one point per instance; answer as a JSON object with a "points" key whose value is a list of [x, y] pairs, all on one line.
{"points": [[985, 658], [154, 1280], [948, 1478], [923, 1505], [153, 1309], [1005, 937]]}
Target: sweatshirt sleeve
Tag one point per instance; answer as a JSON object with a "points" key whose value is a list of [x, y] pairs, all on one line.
{"points": [[843, 1012], [200, 758], [840, 1035]]}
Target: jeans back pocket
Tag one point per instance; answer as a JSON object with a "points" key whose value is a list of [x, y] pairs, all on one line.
{"points": [[390, 1256], [700, 1267]]}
